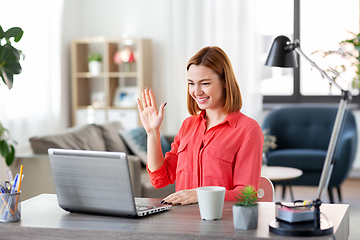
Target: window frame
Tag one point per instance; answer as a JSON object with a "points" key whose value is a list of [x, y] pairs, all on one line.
{"points": [[297, 97]]}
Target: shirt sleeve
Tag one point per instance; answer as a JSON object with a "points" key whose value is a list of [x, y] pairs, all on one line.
{"points": [[247, 167], [166, 174]]}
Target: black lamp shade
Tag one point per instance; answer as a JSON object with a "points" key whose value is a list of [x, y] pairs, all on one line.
{"points": [[279, 56]]}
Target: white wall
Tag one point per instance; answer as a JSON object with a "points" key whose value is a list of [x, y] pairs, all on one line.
{"points": [[143, 19]]}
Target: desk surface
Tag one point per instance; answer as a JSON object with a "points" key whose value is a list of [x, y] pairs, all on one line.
{"points": [[281, 173], [42, 218]]}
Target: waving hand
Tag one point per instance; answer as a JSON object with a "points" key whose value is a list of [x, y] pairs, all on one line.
{"points": [[150, 117]]}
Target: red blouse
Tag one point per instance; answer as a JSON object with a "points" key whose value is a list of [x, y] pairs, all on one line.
{"points": [[228, 154]]}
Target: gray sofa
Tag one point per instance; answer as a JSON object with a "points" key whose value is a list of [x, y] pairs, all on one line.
{"points": [[107, 137]]}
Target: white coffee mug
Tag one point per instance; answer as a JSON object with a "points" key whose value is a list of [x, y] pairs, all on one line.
{"points": [[211, 202]]}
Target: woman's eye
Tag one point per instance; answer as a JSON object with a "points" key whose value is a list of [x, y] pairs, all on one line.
{"points": [[205, 84], [190, 83]]}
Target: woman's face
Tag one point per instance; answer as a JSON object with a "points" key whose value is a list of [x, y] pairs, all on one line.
{"points": [[205, 87]]}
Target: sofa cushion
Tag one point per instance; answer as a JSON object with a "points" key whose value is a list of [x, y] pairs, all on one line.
{"points": [[88, 137], [136, 140], [113, 142]]}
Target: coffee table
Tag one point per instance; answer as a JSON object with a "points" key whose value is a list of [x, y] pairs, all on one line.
{"points": [[275, 173]]}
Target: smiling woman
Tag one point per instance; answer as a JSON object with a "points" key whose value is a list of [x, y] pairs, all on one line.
{"points": [[216, 146]]}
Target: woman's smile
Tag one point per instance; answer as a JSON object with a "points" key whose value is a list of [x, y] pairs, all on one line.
{"points": [[202, 100]]}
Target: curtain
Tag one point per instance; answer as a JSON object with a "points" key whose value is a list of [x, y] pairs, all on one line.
{"points": [[231, 25], [33, 106], [39, 102]]}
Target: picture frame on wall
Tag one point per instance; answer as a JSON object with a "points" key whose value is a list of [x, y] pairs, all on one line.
{"points": [[125, 97]]}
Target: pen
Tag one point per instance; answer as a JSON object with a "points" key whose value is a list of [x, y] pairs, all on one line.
{"points": [[10, 176]]}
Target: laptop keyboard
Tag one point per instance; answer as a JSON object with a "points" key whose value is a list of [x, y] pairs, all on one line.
{"points": [[142, 208]]}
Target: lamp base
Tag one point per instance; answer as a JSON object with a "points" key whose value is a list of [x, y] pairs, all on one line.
{"points": [[301, 228]]}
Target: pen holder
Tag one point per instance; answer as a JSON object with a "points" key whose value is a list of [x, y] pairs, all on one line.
{"points": [[10, 207]]}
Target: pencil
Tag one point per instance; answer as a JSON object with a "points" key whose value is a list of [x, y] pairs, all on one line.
{"points": [[17, 197]]}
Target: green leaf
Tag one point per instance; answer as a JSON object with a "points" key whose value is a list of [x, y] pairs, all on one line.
{"points": [[9, 53], [1, 33], [6, 54], [247, 197], [13, 67], [7, 76], [10, 158], [4, 148], [14, 32]]}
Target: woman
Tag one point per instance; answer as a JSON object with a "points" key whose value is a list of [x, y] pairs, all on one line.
{"points": [[216, 146]]}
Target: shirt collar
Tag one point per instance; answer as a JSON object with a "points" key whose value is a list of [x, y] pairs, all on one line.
{"points": [[232, 118]]}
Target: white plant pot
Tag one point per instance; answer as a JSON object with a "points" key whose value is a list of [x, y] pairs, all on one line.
{"points": [[245, 217], [94, 67]]}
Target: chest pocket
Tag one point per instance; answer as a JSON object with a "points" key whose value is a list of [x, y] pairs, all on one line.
{"points": [[221, 154], [183, 156]]}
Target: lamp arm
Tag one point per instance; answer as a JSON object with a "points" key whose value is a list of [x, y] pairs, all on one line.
{"points": [[322, 72], [329, 159]]}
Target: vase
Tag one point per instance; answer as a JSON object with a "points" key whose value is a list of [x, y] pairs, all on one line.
{"points": [[94, 67], [245, 218]]}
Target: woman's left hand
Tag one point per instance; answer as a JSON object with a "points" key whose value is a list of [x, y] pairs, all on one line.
{"points": [[182, 197]]}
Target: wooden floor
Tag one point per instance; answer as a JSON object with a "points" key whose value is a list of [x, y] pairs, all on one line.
{"points": [[350, 191]]}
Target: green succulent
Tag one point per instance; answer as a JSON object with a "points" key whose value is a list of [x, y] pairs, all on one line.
{"points": [[94, 57], [247, 197]]}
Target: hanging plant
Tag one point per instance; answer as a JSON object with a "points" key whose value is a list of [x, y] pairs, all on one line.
{"points": [[9, 66]]}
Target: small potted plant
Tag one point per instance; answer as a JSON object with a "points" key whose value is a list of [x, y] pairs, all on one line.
{"points": [[94, 60], [245, 211]]}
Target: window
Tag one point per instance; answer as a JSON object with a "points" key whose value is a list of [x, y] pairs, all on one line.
{"points": [[319, 25]]}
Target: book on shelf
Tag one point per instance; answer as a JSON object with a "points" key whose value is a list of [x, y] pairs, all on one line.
{"points": [[294, 213]]}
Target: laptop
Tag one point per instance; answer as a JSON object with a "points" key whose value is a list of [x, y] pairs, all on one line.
{"points": [[96, 182]]}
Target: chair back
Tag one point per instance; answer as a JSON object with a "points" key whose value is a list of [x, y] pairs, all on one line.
{"points": [[266, 190]]}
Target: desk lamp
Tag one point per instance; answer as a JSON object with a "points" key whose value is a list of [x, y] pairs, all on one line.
{"points": [[282, 54]]}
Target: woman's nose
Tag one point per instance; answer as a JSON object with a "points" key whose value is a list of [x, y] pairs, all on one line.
{"points": [[198, 91]]}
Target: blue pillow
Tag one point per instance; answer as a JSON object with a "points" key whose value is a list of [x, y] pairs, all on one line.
{"points": [[136, 140]]}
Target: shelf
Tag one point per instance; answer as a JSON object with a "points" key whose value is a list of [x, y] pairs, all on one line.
{"points": [[123, 74], [97, 92], [106, 74], [89, 75]]}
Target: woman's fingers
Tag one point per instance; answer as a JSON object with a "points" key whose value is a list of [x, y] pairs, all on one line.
{"points": [[147, 98], [183, 197], [143, 99], [139, 105], [152, 99]]}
